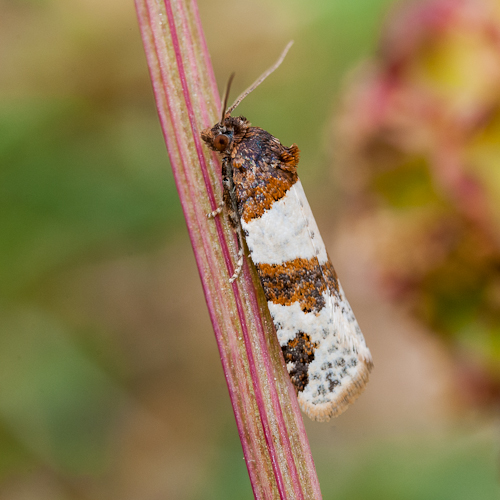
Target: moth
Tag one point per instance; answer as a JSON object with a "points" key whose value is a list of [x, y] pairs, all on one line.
{"points": [[324, 350]]}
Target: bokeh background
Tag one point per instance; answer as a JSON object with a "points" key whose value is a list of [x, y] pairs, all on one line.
{"points": [[110, 384]]}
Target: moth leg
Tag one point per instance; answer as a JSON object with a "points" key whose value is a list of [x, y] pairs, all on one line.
{"points": [[229, 203], [216, 212], [229, 197], [239, 264]]}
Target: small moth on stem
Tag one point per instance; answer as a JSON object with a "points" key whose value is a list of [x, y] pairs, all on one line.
{"points": [[324, 349]]}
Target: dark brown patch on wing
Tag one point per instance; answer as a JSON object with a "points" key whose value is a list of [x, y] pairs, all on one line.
{"points": [[263, 171], [300, 352], [298, 280]]}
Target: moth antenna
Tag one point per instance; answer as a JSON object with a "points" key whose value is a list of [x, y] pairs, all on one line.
{"points": [[226, 96], [260, 79]]}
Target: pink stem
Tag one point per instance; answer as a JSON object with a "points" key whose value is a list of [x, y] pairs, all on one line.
{"points": [[271, 430]]}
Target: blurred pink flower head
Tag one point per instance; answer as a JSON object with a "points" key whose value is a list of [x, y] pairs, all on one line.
{"points": [[419, 140]]}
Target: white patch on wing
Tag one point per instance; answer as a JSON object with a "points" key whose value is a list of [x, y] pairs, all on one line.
{"points": [[339, 371], [285, 232]]}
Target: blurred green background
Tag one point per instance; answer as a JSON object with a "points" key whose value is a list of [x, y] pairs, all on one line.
{"points": [[110, 384]]}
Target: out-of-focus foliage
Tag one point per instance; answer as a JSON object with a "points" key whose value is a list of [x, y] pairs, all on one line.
{"points": [[420, 139], [80, 184], [110, 383]]}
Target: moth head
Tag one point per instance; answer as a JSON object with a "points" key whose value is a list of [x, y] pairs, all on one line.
{"points": [[225, 134], [218, 138]]}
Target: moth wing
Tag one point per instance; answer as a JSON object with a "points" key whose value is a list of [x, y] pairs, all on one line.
{"points": [[324, 348]]}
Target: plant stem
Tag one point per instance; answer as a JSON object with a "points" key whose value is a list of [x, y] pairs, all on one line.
{"points": [[269, 422]]}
